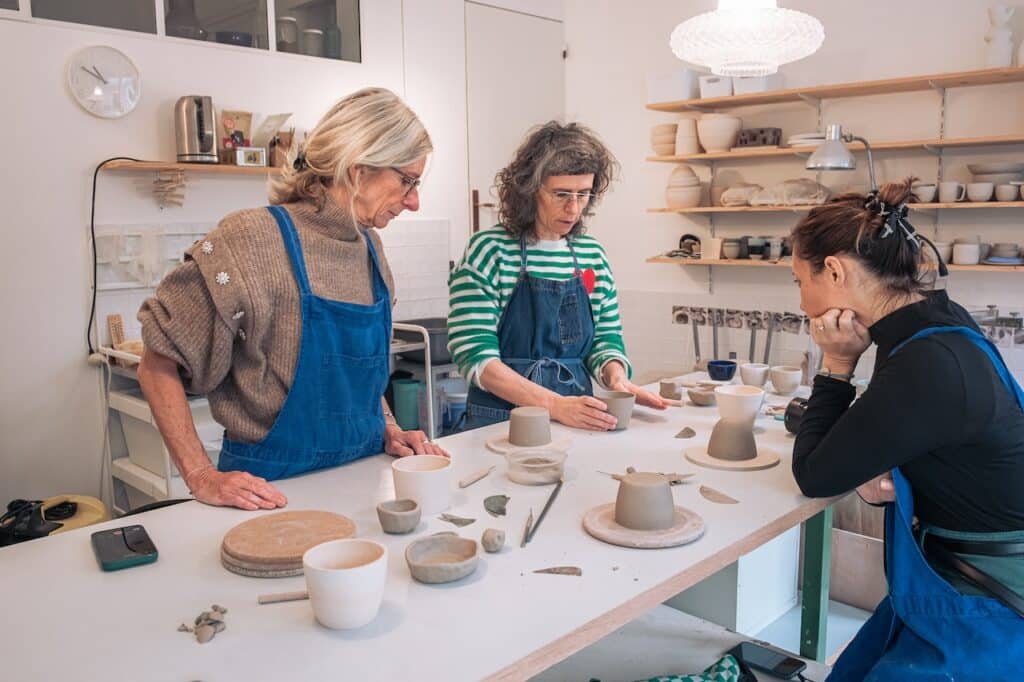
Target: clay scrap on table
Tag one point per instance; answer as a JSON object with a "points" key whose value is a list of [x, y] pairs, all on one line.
{"points": [[459, 521], [686, 433], [562, 570], [716, 496], [496, 505], [207, 624]]}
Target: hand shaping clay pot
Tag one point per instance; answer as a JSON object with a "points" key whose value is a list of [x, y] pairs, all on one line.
{"points": [[620, 405], [529, 427], [441, 558], [398, 516], [644, 502], [493, 540]]}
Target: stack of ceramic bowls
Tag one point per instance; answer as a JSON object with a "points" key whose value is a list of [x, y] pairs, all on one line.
{"points": [[686, 137], [683, 190], [663, 139], [1004, 252], [717, 132], [805, 140], [999, 178]]}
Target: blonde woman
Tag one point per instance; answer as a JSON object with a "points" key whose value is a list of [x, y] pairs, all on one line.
{"points": [[282, 315]]}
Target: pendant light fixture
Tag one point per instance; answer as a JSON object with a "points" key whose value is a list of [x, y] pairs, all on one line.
{"points": [[747, 38]]}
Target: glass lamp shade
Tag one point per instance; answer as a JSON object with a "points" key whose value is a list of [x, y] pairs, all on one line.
{"points": [[747, 38]]}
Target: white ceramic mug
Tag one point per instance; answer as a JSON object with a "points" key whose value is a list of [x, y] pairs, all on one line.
{"points": [[950, 192], [345, 580], [966, 254], [925, 193], [980, 191], [426, 479], [754, 374], [1007, 193], [786, 379]]}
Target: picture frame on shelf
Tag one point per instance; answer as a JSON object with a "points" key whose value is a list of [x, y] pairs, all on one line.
{"points": [[250, 156]]}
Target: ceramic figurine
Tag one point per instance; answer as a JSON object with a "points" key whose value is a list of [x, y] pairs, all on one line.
{"points": [[999, 37]]}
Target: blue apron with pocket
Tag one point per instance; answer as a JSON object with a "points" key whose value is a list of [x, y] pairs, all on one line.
{"points": [[544, 334], [925, 629], [333, 413]]}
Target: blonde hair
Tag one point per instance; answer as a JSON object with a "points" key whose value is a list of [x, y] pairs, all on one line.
{"points": [[371, 127]]}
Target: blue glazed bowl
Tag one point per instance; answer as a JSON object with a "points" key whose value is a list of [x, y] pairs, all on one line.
{"points": [[721, 370]]}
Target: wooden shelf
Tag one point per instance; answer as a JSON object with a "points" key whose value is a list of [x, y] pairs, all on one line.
{"points": [[801, 209], [739, 154], [858, 89], [967, 204], [218, 169], [786, 263]]}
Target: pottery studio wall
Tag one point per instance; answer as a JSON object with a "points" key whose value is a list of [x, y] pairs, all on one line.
{"points": [[612, 45], [51, 414]]}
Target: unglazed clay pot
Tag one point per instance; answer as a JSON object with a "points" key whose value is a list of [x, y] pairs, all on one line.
{"points": [[398, 516], [644, 502], [529, 427], [441, 558], [620, 405]]}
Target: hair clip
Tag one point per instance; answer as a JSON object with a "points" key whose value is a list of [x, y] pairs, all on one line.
{"points": [[300, 163]]}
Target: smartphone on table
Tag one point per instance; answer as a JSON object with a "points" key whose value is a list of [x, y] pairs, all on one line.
{"points": [[768, 660], [123, 547]]}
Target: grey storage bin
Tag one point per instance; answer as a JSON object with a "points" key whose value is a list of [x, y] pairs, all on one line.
{"points": [[437, 328]]}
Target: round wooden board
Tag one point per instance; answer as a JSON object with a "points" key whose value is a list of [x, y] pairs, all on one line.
{"points": [[502, 446], [766, 459], [600, 523], [278, 541], [254, 571]]}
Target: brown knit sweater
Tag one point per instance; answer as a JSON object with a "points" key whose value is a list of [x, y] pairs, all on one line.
{"points": [[238, 341]]}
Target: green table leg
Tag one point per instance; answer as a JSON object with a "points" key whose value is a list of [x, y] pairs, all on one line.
{"points": [[814, 606]]}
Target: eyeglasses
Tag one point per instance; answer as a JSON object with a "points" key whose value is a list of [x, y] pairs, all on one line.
{"points": [[409, 182], [567, 198]]}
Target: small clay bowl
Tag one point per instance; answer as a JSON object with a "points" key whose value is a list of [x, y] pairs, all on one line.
{"points": [[441, 558], [701, 397], [721, 370], [398, 516]]}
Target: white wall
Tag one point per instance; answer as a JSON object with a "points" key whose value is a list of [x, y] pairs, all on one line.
{"points": [[612, 45], [50, 405]]}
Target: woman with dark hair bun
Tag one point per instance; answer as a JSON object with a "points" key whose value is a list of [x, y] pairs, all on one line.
{"points": [[534, 313], [938, 437]]}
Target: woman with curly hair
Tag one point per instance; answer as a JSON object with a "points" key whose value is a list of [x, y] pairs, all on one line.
{"points": [[938, 437], [533, 310]]}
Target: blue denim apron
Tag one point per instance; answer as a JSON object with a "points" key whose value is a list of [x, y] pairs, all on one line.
{"points": [[925, 629], [332, 414], [544, 334]]}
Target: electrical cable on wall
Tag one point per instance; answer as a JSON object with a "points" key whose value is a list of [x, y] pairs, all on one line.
{"points": [[92, 241]]}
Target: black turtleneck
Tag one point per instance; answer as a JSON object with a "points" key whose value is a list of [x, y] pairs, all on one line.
{"points": [[937, 409]]}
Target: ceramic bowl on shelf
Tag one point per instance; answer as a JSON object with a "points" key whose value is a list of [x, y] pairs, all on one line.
{"points": [[683, 197], [1007, 192], [667, 149], [717, 132], [998, 178], [996, 167]]}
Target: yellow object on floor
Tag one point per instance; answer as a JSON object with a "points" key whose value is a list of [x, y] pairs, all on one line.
{"points": [[90, 510]]}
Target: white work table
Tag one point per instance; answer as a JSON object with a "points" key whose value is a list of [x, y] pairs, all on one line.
{"points": [[64, 618]]}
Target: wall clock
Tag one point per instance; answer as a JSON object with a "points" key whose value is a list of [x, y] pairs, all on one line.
{"points": [[104, 81]]}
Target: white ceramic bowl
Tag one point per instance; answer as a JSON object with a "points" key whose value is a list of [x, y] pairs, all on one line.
{"points": [[998, 178], [717, 132], [754, 373], [682, 174], [345, 580], [1007, 192], [785, 379], [996, 167], [945, 250], [739, 403], [980, 191], [683, 197]]}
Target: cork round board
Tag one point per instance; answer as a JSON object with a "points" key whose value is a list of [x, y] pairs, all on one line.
{"points": [[687, 527], [273, 543]]}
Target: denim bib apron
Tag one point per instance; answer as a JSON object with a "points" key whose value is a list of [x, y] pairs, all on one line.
{"points": [[925, 629], [332, 414], [544, 334]]}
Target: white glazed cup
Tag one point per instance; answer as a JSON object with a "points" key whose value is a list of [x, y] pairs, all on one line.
{"points": [[980, 191], [945, 250], [966, 254], [345, 580], [754, 374], [426, 479], [739, 403], [1007, 193], [925, 193], [785, 379], [711, 248], [950, 192]]}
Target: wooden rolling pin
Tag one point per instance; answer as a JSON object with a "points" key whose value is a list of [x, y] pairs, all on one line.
{"points": [[282, 596]]}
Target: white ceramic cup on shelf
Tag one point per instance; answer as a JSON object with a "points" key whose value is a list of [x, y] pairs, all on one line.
{"points": [[980, 191], [345, 580], [1007, 192], [967, 254], [426, 479], [951, 192]]}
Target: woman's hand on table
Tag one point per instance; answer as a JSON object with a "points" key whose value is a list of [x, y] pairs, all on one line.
{"points": [[234, 489], [615, 378], [406, 443], [842, 339], [581, 412], [878, 490]]}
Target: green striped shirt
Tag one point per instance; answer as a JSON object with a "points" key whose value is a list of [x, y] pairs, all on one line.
{"points": [[481, 285]]}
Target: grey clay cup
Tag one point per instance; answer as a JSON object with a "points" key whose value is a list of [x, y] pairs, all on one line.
{"points": [[701, 397], [529, 427], [398, 516], [620, 406], [493, 540], [441, 558], [644, 502]]}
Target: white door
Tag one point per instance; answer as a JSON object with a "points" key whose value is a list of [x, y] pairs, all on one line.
{"points": [[515, 79]]}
